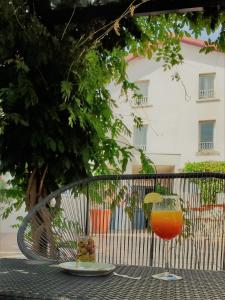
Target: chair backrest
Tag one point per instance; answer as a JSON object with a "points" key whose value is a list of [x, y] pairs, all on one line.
{"points": [[110, 209]]}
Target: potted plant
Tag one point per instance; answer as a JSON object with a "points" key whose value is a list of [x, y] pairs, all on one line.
{"points": [[100, 210], [100, 220]]}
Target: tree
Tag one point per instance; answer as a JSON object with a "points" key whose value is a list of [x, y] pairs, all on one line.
{"points": [[57, 122]]}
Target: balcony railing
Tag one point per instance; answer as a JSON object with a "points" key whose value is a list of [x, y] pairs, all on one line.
{"points": [[204, 146], [206, 93], [141, 147], [140, 101]]}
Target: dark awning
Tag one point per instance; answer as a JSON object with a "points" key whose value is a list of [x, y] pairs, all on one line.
{"points": [[111, 9]]}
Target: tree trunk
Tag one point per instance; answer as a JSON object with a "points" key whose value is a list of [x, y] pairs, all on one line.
{"points": [[42, 236]]}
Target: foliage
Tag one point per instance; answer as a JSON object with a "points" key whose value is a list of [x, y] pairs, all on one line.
{"points": [[208, 187], [146, 163], [11, 199], [56, 117], [205, 166], [61, 223]]}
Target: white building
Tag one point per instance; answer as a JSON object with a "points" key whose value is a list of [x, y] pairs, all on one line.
{"points": [[183, 120]]}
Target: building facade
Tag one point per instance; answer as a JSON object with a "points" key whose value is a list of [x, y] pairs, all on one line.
{"points": [[183, 120]]}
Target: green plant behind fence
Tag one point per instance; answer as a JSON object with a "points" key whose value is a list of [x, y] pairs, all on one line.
{"points": [[208, 187]]}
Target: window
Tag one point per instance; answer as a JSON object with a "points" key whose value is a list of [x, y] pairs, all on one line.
{"points": [[143, 90], [206, 85], [140, 137], [206, 135]]}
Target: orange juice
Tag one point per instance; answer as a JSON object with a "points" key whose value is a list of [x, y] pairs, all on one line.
{"points": [[167, 223]]}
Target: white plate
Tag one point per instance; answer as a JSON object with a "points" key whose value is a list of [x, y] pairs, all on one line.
{"points": [[87, 268]]}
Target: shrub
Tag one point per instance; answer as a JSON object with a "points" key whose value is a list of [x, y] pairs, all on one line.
{"points": [[208, 187], [205, 166]]}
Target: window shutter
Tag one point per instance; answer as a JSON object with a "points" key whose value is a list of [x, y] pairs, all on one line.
{"points": [[206, 85], [140, 137], [206, 135]]}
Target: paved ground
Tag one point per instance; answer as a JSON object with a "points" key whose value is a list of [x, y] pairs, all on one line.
{"points": [[8, 246]]}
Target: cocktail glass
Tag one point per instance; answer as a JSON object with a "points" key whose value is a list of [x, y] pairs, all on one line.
{"points": [[167, 222]]}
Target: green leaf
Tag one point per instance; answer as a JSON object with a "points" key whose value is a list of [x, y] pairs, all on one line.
{"points": [[66, 89], [60, 146], [51, 144]]}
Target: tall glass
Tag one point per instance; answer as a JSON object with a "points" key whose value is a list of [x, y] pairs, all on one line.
{"points": [[86, 249], [167, 222]]}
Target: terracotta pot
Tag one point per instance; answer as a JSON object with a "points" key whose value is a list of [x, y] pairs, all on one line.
{"points": [[100, 219]]}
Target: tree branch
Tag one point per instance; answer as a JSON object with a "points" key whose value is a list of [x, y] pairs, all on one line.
{"points": [[30, 182], [42, 182]]}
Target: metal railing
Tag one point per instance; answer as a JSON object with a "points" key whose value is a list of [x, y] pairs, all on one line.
{"points": [[204, 146], [140, 101], [141, 147], [206, 93]]}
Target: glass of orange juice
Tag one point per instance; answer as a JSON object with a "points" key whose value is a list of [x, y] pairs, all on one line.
{"points": [[166, 222]]}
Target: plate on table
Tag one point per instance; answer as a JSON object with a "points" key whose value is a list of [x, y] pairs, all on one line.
{"points": [[87, 268]]}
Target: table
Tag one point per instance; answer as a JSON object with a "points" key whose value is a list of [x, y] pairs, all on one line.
{"points": [[27, 279]]}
